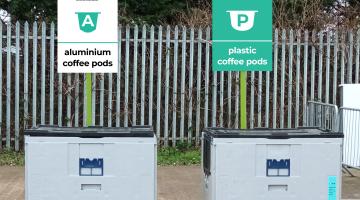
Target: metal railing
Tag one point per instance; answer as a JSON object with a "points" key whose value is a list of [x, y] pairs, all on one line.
{"points": [[346, 120], [322, 115], [350, 126]]}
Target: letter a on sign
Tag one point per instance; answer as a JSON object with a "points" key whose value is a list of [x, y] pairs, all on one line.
{"points": [[88, 21]]}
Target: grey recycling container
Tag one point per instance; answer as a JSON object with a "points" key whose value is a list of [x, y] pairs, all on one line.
{"points": [[90, 163], [271, 164]]}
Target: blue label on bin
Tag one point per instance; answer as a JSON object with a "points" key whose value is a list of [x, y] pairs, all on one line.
{"points": [[332, 184], [278, 167], [91, 167]]}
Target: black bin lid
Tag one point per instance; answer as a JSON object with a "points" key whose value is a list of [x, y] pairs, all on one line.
{"points": [[90, 132], [304, 132]]}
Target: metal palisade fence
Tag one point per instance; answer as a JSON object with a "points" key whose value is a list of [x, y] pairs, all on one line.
{"points": [[165, 80]]}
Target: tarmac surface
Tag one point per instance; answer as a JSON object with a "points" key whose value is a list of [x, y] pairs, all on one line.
{"points": [[174, 183]]}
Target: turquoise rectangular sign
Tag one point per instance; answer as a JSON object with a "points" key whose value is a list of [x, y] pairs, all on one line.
{"points": [[242, 35], [332, 184]]}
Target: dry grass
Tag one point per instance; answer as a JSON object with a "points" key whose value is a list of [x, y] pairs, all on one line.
{"points": [[300, 14], [195, 17]]}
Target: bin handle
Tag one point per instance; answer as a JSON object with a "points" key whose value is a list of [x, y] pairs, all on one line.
{"points": [[279, 136]]}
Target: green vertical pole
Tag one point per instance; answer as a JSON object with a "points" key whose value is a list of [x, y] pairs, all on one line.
{"points": [[88, 99], [243, 117]]}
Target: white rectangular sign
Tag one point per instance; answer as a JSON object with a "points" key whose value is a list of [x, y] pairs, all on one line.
{"points": [[88, 36], [350, 96]]}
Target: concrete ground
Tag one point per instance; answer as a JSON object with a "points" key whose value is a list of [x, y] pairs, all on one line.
{"points": [[174, 183]]}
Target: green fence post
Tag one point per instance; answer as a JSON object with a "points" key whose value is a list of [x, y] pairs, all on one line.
{"points": [[243, 117], [88, 99]]}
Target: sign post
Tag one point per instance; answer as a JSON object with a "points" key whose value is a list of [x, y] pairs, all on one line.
{"points": [[243, 114], [88, 86], [242, 40], [88, 40]]}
